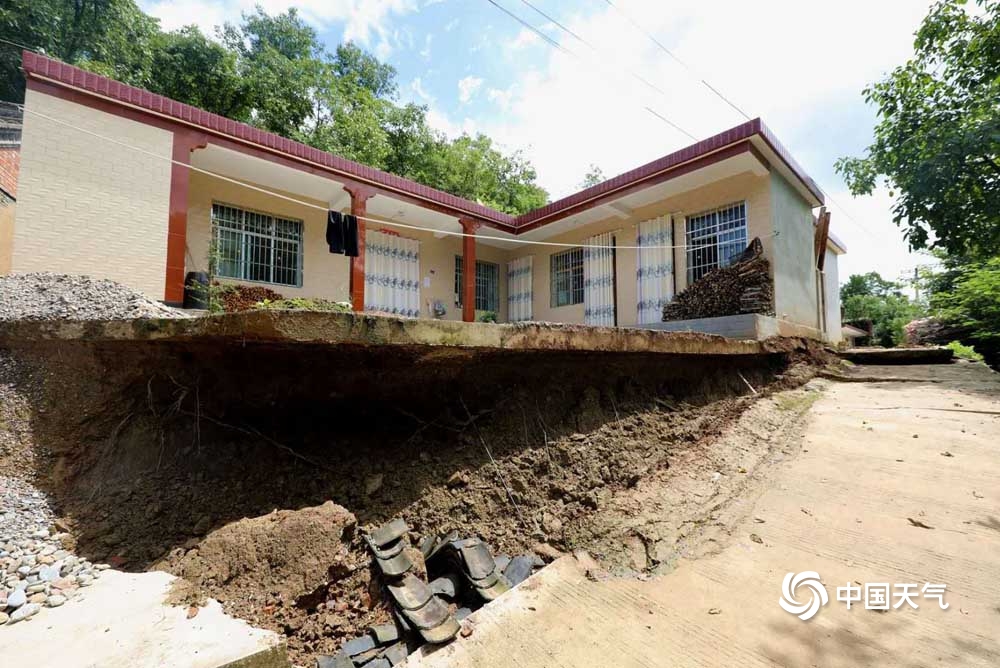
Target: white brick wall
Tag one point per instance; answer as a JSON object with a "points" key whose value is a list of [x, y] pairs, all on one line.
{"points": [[87, 206]]}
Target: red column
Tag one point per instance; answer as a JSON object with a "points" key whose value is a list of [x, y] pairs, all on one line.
{"points": [[185, 141], [469, 226], [359, 207]]}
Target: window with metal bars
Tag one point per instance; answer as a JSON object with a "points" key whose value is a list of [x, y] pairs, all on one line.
{"points": [[254, 246], [566, 277], [715, 238], [487, 285]]}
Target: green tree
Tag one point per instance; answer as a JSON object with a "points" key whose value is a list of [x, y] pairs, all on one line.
{"points": [[111, 37], [973, 302], [593, 176], [871, 297], [937, 142]]}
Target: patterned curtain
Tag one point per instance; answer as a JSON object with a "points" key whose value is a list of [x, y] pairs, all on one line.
{"points": [[392, 274], [599, 281], [655, 273], [519, 292]]}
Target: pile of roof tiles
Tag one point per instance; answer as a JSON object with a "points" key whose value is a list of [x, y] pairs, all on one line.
{"points": [[745, 286], [463, 575]]}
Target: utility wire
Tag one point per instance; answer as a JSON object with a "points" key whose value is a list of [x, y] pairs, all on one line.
{"points": [[677, 59], [593, 48], [19, 45], [368, 219], [553, 43]]}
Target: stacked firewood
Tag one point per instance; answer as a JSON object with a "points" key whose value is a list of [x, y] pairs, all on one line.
{"points": [[743, 287], [236, 298]]}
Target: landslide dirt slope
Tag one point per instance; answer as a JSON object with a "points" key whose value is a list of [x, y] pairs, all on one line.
{"points": [[162, 456]]}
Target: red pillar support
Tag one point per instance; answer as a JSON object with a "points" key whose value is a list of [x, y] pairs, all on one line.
{"points": [[469, 226], [185, 141], [359, 207]]}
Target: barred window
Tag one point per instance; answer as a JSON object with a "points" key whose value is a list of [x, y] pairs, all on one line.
{"points": [[254, 246], [566, 277], [715, 238], [487, 285]]}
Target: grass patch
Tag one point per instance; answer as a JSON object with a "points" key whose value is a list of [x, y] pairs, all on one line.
{"points": [[965, 352]]}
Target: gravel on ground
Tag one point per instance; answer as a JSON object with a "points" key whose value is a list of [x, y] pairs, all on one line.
{"points": [[45, 296]]}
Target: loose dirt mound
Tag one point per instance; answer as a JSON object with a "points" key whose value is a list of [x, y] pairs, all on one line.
{"points": [[286, 553]]}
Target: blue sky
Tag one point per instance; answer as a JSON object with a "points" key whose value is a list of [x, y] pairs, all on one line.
{"points": [[799, 64]]}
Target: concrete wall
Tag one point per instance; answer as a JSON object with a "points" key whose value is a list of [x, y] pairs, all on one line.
{"points": [[323, 274], [794, 267], [87, 206], [831, 292]]}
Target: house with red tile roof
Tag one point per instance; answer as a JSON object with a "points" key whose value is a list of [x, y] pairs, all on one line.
{"points": [[121, 183]]}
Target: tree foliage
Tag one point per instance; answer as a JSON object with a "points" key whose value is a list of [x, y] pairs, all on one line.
{"points": [[973, 301], [869, 297], [271, 71], [593, 176], [937, 142]]}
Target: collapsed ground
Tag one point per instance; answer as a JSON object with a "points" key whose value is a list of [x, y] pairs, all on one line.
{"points": [[214, 460]]}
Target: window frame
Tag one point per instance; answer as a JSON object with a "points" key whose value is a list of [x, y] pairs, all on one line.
{"points": [[482, 284], [726, 242], [289, 243], [572, 260]]}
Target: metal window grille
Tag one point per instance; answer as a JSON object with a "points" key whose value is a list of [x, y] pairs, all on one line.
{"points": [[254, 246], [487, 285], [566, 277], [715, 238]]}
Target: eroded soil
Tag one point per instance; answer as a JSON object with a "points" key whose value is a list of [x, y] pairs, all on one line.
{"points": [[208, 460]]}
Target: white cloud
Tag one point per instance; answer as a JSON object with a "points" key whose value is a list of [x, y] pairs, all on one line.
{"points": [[782, 65], [417, 86], [451, 25], [501, 98], [425, 53], [524, 38], [468, 87]]}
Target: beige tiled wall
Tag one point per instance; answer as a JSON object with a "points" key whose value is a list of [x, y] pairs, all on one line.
{"points": [[89, 206]]}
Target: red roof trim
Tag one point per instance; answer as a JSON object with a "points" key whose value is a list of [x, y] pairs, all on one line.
{"points": [[39, 65]]}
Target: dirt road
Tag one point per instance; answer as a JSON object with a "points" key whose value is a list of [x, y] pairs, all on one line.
{"points": [[895, 482]]}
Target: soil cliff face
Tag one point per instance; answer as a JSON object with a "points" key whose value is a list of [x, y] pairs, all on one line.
{"points": [[247, 468]]}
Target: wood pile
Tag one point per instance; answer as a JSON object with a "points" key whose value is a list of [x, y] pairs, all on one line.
{"points": [[236, 298], [743, 287]]}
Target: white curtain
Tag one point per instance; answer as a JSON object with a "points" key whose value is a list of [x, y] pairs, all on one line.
{"points": [[599, 281], [655, 272], [392, 274], [519, 292]]}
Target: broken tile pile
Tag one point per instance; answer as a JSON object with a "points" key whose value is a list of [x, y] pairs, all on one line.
{"points": [[462, 576]]}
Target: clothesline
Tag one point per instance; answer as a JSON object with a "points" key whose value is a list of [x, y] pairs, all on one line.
{"points": [[365, 218]]}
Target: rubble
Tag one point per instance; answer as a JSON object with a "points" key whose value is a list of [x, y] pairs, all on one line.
{"points": [[36, 569], [465, 576], [45, 296], [745, 286]]}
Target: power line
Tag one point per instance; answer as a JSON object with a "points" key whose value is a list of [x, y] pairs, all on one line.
{"points": [[19, 45], [677, 59], [553, 43], [369, 219]]}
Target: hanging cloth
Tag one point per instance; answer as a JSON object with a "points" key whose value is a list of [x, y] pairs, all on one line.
{"points": [[350, 236], [599, 281], [655, 272], [335, 232], [392, 274], [519, 292]]}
